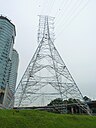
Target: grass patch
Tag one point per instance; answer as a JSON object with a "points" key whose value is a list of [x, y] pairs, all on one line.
{"points": [[42, 119]]}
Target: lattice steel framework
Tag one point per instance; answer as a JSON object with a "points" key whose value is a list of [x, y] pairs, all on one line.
{"points": [[47, 77]]}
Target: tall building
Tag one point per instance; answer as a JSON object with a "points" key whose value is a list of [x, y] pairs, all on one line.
{"points": [[11, 79], [13, 70], [7, 36]]}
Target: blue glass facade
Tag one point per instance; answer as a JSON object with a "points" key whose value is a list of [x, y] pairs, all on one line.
{"points": [[13, 70], [7, 35]]}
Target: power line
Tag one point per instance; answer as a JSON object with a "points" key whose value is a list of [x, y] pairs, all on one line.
{"points": [[68, 12], [59, 7], [52, 6], [71, 12], [64, 28], [64, 8]]}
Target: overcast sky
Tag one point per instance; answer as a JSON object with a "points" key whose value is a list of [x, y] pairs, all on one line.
{"points": [[75, 33]]}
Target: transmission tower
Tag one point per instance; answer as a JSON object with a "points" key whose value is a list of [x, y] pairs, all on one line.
{"points": [[47, 77]]}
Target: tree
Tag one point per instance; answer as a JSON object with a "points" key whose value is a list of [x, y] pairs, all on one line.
{"points": [[87, 99], [57, 101]]}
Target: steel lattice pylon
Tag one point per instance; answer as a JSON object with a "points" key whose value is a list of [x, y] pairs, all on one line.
{"points": [[46, 77]]}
